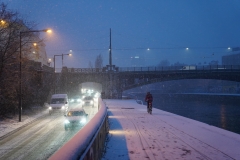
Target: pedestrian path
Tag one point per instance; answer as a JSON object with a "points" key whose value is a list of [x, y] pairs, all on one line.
{"points": [[134, 134]]}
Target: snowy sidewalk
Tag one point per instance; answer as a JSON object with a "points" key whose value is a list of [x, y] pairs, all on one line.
{"points": [[134, 134], [10, 125]]}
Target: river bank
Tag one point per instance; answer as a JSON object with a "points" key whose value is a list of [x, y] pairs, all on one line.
{"points": [[220, 110]]}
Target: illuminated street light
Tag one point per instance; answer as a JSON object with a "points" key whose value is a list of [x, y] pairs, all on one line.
{"points": [[229, 48], [20, 68], [3, 22], [187, 48], [69, 54], [49, 61], [48, 31]]}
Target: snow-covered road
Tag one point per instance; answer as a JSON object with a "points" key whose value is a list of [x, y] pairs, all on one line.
{"points": [[134, 134], [39, 139]]}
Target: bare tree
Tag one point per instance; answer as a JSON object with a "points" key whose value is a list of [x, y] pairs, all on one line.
{"points": [[99, 61], [90, 64], [10, 26]]}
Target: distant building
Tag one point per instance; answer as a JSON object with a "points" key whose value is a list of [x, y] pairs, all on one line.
{"points": [[233, 59]]}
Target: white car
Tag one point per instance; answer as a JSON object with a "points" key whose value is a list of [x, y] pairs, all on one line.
{"points": [[88, 101], [75, 117], [59, 103]]}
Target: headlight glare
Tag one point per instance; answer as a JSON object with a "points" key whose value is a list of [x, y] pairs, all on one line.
{"points": [[83, 120], [66, 121]]}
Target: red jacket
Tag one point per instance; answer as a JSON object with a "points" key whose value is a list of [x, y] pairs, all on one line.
{"points": [[149, 98]]}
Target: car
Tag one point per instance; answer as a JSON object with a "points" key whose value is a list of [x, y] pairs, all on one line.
{"points": [[76, 99], [188, 68], [74, 118], [58, 103], [88, 101]]}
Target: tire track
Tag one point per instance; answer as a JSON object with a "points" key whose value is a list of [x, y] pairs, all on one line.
{"points": [[25, 145]]}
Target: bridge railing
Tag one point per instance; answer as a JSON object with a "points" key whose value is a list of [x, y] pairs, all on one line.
{"points": [[152, 68], [181, 68]]}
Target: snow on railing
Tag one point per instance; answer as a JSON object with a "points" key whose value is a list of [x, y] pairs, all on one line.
{"points": [[78, 146]]}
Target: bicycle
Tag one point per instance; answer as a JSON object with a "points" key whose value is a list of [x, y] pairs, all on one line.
{"points": [[149, 109]]}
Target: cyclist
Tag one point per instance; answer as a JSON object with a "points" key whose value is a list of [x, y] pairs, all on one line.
{"points": [[148, 99]]}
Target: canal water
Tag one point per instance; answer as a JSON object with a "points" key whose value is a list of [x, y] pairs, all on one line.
{"points": [[218, 110]]}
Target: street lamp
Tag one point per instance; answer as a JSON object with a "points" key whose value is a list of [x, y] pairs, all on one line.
{"points": [[69, 54], [49, 61], [20, 69], [3, 23]]}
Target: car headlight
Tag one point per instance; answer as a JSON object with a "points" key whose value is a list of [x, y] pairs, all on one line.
{"points": [[72, 100], [49, 108], [78, 100], [66, 121], [63, 107], [83, 120]]}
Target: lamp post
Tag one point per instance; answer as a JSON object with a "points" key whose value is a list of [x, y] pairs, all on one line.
{"points": [[69, 54], [20, 70]]}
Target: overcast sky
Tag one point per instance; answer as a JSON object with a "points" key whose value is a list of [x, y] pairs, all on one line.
{"points": [[166, 27]]}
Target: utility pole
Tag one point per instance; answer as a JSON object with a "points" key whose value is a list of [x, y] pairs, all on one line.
{"points": [[110, 65], [110, 51]]}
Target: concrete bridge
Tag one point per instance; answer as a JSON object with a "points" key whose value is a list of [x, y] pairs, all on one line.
{"points": [[116, 80]]}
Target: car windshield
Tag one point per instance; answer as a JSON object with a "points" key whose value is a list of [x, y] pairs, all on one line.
{"points": [[88, 98], [75, 113], [57, 101]]}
